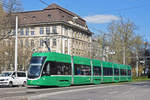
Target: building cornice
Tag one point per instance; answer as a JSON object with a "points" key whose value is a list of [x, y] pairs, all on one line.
{"points": [[56, 23]]}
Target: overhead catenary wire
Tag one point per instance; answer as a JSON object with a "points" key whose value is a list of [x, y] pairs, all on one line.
{"points": [[124, 9], [44, 2]]}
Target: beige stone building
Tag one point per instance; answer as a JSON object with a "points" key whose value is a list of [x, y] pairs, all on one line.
{"points": [[64, 31]]}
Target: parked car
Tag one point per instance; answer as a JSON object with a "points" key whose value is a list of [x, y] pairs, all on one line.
{"points": [[12, 78]]}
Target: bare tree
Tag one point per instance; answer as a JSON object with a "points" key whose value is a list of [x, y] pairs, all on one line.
{"points": [[137, 49], [7, 55], [122, 33], [7, 10]]}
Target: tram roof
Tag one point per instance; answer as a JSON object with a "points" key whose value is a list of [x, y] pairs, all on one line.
{"points": [[59, 57]]}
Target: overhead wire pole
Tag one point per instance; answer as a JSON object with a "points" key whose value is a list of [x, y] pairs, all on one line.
{"points": [[103, 47], [124, 55], [16, 44]]}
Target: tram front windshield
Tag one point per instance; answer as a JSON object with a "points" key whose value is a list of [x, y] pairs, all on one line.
{"points": [[35, 67]]}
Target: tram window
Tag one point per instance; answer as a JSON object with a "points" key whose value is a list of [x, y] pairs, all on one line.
{"points": [[82, 69], [97, 71], [123, 72], [116, 71], [37, 59], [129, 72], [58, 68], [107, 71], [46, 69]]}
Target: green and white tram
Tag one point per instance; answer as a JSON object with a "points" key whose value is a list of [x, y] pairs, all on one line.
{"points": [[56, 69]]}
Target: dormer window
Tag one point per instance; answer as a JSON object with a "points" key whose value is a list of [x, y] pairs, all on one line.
{"points": [[24, 18], [49, 15], [63, 16], [33, 17]]}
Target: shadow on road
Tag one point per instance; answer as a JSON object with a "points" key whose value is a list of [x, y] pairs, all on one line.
{"points": [[145, 84], [41, 87], [9, 87]]}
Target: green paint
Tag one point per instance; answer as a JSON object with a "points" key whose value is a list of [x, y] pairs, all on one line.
{"points": [[96, 62], [62, 80], [81, 60]]}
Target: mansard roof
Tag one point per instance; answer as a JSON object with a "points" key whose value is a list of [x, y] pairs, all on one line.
{"points": [[52, 13]]}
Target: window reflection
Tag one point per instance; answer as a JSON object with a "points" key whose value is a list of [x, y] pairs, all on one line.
{"points": [[82, 69], [57, 68]]}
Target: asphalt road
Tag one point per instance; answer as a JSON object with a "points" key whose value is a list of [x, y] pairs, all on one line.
{"points": [[130, 91]]}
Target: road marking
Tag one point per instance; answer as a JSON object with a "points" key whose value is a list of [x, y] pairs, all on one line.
{"points": [[25, 91], [16, 92], [126, 93], [45, 89], [113, 92], [132, 88], [68, 91]]}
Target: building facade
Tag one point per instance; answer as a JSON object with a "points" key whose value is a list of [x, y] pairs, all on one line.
{"points": [[64, 31]]}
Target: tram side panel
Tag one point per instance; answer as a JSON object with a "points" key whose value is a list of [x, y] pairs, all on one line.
{"points": [[82, 70], [123, 73], [107, 72], [62, 70], [116, 72], [97, 71], [57, 71]]}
